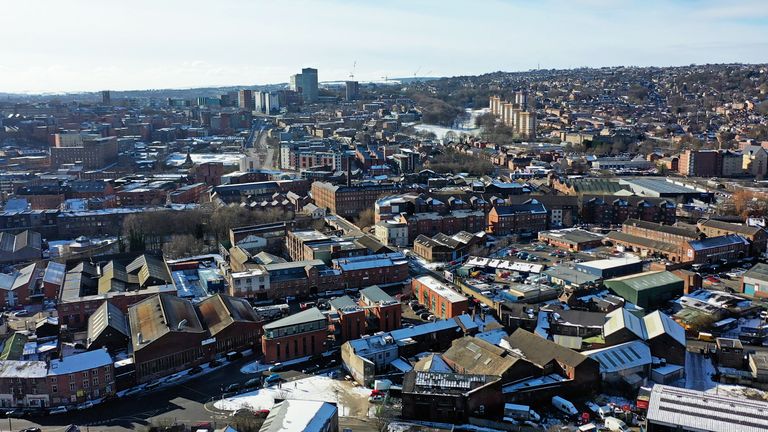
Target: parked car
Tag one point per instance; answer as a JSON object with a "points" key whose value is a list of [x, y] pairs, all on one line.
{"points": [[376, 398], [234, 355], [86, 405], [58, 410], [195, 370], [307, 305], [16, 413], [272, 379], [425, 315], [252, 383], [233, 388]]}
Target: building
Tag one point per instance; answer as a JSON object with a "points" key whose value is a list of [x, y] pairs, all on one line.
{"points": [[472, 355], [22, 247], [369, 356], [648, 289], [93, 153], [524, 219], [349, 201], [300, 278], [306, 84], [245, 100], [664, 336], [757, 236], [351, 90], [167, 336], [347, 319], [624, 364], [445, 248], [24, 384], [611, 267], [384, 312], [439, 298], [571, 239], [231, 323], [582, 371], [108, 328], [298, 335], [392, 233], [379, 269], [252, 283], [701, 163], [717, 250], [450, 397], [302, 416], [81, 377], [755, 281], [19, 287], [679, 409]]}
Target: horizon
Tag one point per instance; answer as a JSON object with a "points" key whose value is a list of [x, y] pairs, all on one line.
{"points": [[183, 45]]}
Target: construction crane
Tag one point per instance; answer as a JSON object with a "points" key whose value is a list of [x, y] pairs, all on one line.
{"points": [[354, 65], [417, 71]]}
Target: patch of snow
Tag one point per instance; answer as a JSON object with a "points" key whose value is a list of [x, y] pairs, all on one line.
{"points": [[312, 388]]}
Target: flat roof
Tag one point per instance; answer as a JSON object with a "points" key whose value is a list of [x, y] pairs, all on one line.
{"points": [[441, 289], [696, 410], [647, 280], [609, 263]]}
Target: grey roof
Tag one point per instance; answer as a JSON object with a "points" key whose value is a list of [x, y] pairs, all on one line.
{"points": [[735, 228], [759, 272], [719, 241], [299, 416], [106, 315], [309, 315], [696, 410], [670, 229], [374, 294], [54, 273], [540, 351]]}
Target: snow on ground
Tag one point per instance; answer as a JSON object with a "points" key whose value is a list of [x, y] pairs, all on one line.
{"points": [[177, 159], [464, 125], [351, 400], [698, 372], [739, 391]]}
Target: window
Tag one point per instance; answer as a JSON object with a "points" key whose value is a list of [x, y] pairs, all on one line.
{"points": [[72, 387], [54, 388]]}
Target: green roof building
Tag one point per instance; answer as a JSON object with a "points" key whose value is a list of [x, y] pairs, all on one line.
{"points": [[647, 290]]}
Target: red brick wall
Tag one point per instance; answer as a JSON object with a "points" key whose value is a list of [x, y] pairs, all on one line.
{"points": [[299, 345]]}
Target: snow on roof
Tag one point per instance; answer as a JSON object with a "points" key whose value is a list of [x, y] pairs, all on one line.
{"points": [[609, 263], [80, 362], [23, 369], [298, 416], [401, 365], [695, 410], [441, 289]]}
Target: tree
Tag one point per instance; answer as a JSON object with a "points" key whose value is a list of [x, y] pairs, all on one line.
{"points": [[184, 245], [365, 218]]}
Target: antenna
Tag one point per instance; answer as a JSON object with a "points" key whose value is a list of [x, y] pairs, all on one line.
{"points": [[354, 65]]}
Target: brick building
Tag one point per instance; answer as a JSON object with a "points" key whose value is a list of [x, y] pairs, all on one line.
{"points": [[756, 235], [522, 219], [445, 248], [92, 153], [349, 201], [298, 335], [347, 319], [701, 163], [607, 211], [442, 300], [384, 312], [379, 269], [81, 377]]}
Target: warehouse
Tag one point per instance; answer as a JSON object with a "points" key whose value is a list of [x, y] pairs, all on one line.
{"points": [[649, 289], [572, 239], [612, 267], [755, 281]]}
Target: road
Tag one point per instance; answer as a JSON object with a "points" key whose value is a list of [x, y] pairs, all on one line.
{"points": [[260, 148], [183, 403]]}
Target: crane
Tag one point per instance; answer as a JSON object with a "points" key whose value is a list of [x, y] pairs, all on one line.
{"points": [[354, 65]]}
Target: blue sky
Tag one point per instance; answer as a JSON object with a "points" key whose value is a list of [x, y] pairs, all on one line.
{"points": [[83, 45]]}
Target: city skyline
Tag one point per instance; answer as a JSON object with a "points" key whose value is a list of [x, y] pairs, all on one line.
{"points": [[144, 45]]}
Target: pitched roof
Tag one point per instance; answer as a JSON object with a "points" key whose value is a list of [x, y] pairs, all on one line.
{"points": [[159, 315], [540, 351], [305, 316], [735, 228], [219, 311], [476, 356], [106, 316], [658, 323]]}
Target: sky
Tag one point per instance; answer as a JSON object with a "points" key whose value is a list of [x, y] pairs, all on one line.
{"points": [[89, 45]]}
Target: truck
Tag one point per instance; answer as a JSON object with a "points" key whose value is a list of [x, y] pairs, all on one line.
{"points": [[520, 412], [616, 425], [564, 406]]}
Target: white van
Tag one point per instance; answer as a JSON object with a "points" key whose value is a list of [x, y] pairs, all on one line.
{"points": [[616, 425], [520, 412], [564, 405]]}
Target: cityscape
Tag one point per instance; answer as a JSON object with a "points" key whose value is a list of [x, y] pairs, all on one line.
{"points": [[404, 246]]}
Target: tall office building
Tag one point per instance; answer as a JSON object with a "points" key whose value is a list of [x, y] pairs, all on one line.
{"points": [[106, 97], [306, 84], [245, 100], [352, 90]]}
